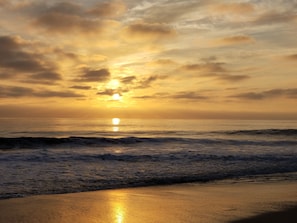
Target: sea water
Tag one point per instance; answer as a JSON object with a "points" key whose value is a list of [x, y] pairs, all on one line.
{"points": [[46, 156]]}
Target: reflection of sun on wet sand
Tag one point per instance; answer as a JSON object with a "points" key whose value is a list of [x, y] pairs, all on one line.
{"points": [[189, 203]]}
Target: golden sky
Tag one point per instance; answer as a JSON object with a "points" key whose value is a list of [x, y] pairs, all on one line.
{"points": [[151, 58]]}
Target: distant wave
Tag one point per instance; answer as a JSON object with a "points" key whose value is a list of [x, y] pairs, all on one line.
{"points": [[282, 132], [41, 142], [177, 157]]}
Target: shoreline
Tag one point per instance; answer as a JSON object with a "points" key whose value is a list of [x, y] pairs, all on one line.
{"points": [[190, 202], [288, 177]]}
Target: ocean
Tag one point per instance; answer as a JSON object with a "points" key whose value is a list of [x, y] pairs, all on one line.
{"points": [[51, 156]]}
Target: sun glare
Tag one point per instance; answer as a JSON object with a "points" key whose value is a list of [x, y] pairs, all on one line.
{"points": [[116, 97], [113, 84], [116, 121]]}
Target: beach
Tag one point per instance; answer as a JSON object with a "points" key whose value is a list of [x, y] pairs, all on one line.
{"points": [[221, 201]]}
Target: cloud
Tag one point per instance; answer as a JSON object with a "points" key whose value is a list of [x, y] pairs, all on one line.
{"points": [[9, 91], [65, 17], [112, 91], [292, 57], [181, 95], [66, 8], [81, 87], [61, 23], [94, 75], [153, 31], [141, 83], [108, 9], [234, 8], [13, 57], [64, 54], [47, 75], [128, 79], [162, 63], [108, 92], [47, 78], [274, 17], [130, 83], [167, 11], [205, 67], [190, 95], [3, 2], [147, 81], [19, 59], [16, 92], [232, 40], [213, 69], [5, 75], [60, 94], [274, 93], [232, 78]]}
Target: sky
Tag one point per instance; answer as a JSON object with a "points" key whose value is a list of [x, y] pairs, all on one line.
{"points": [[148, 59]]}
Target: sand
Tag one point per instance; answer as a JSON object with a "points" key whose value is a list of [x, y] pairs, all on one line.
{"points": [[242, 202]]}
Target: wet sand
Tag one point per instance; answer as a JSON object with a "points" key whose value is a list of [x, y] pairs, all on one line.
{"points": [[288, 215], [188, 203]]}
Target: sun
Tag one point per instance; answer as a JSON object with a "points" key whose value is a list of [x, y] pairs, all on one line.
{"points": [[116, 97], [116, 121]]}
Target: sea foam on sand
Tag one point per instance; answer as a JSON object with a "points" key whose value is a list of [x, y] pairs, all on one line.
{"points": [[187, 203]]}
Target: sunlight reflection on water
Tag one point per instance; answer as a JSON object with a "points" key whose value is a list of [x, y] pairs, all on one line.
{"points": [[115, 122]]}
